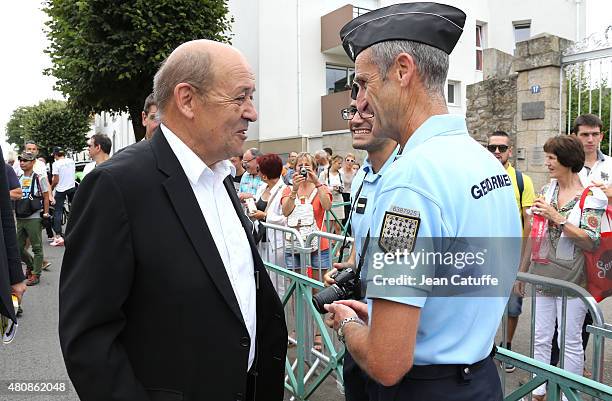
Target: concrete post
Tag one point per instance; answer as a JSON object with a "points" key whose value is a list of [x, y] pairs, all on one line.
{"points": [[539, 99]]}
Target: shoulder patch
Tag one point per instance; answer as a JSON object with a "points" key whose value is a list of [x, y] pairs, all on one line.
{"points": [[399, 231]]}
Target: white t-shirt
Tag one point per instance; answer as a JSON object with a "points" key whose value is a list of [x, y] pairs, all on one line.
{"points": [[65, 169], [600, 172], [88, 168]]}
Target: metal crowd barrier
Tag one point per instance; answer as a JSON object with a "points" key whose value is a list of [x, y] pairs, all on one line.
{"points": [[309, 367], [306, 366], [559, 380]]}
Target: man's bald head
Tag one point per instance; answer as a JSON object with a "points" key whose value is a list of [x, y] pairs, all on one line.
{"points": [[190, 63]]}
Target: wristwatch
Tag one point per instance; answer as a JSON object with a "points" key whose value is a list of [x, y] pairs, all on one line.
{"points": [[344, 322], [562, 224]]}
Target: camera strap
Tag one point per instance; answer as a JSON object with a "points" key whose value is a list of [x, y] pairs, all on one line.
{"points": [[348, 219]]}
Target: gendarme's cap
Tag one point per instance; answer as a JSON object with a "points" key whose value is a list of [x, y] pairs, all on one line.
{"points": [[433, 24], [27, 156]]}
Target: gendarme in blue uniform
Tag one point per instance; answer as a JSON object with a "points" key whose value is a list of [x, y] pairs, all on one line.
{"points": [[455, 189], [361, 218]]}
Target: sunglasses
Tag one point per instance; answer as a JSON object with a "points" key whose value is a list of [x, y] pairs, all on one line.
{"points": [[350, 161], [493, 148]]}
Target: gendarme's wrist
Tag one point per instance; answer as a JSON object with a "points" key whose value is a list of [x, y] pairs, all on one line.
{"points": [[344, 322]]}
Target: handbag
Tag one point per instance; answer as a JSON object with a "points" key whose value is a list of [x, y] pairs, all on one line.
{"points": [[302, 219], [598, 263], [28, 206]]}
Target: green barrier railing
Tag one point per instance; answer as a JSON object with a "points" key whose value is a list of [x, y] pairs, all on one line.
{"points": [[559, 380], [300, 382], [312, 367], [330, 219]]}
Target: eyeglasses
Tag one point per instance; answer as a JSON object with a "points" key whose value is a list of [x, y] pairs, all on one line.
{"points": [[349, 113], [493, 148]]}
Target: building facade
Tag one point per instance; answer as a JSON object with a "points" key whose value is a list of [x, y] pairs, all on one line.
{"points": [[303, 74]]}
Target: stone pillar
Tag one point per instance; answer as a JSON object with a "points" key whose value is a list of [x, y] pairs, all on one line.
{"points": [[538, 63]]}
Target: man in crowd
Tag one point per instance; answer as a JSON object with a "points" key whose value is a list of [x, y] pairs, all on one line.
{"points": [[29, 226], [14, 187], [250, 180], [149, 116], [380, 154], [500, 145], [99, 148], [40, 167], [190, 314], [63, 182], [322, 159], [597, 166], [425, 347], [290, 168], [11, 274], [236, 178]]}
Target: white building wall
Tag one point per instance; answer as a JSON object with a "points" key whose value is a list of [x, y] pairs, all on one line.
{"points": [[266, 32], [118, 128]]}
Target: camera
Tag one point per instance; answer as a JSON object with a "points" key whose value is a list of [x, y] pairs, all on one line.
{"points": [[304, 172], [347, 286]]}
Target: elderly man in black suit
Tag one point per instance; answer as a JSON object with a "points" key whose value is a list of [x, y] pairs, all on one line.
{"points": [[11, 273], [163, 295]]}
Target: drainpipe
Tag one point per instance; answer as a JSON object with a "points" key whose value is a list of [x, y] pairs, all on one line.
{"points": [[299, 69], [578, 38]]}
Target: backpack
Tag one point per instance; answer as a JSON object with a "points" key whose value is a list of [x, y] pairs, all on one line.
{"points": [[33, 203], [521, 187]]}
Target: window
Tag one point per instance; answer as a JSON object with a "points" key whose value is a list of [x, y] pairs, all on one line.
{"points": [[338, 79], [522, 31], [479, 46], [453, 93]]}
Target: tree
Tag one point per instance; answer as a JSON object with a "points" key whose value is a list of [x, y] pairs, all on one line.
{"points": [[15, 127], [104, 53], [50, 123]]}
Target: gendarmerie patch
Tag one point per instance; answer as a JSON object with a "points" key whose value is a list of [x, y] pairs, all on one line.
{"points": [[399, 230]]}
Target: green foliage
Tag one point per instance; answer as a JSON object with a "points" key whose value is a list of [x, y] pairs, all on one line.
{"points": [[105, 53], [15, 128], [582, 86], [50, 123]]}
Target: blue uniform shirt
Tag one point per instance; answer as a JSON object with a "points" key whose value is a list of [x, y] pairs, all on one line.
{"points": [[457, 189], [363, 209]]}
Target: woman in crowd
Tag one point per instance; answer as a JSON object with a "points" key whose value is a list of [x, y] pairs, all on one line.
{"points": [[559, 252], [267, 201], [332, 177], [304, 204], [347, 174]]}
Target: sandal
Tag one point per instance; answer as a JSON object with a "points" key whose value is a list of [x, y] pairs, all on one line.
{"points": [[291, 344], [317, 344]]}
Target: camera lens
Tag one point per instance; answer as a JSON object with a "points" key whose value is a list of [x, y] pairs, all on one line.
{"points": [[327, 296]]}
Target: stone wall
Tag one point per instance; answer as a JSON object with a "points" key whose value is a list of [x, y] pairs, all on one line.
{"points": [[521, 95], [491, 106]]}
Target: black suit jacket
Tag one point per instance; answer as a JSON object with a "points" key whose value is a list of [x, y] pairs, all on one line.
{"points": [[147, 311], [10, 262]]}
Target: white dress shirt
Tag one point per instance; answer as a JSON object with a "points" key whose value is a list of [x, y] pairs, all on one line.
{"points": [[224, 225]]}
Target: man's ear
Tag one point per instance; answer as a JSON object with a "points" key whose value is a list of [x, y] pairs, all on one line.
{"points": [[144, 119], [185, 98], [404, 69]]}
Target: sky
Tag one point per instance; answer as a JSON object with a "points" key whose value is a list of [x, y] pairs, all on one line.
{"points": [[23, 41]]}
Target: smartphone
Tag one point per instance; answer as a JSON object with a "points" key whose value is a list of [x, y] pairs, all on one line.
{"points": [[250, 204]]}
